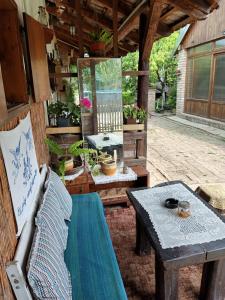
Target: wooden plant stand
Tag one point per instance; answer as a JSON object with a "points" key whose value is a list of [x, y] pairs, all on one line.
{"points": [[111, 193]]}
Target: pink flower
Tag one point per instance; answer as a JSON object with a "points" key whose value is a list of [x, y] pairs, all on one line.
{"points": [[86, 103]]}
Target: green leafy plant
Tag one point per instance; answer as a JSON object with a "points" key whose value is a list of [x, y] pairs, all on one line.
{"points": [[141, 115], [68, 110], [75, 150], [100, 35], [130, 111]]}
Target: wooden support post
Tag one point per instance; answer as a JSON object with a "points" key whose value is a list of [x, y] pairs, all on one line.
{"points": [[79, 28], [213, 279], [94, 97], [166, 282], [115, 28], [143, 246]]}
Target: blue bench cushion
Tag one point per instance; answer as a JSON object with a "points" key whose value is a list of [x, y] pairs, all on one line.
{"points": [[90, 256]]}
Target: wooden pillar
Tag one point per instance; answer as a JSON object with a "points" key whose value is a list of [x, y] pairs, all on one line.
{"points": [[143, 65], [94, 97], [115, 28], [79, 27]]}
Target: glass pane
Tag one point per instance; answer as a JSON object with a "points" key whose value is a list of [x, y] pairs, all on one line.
{"points": [[219, 83], [201, 48], [201, 77], [220, 43], [189, 78]]}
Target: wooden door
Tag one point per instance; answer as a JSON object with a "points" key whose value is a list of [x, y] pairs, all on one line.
{"points": [[217, 99], [38, 58]]}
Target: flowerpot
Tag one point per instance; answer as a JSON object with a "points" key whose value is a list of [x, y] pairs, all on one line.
{"points": [[98, 48], [104, 158], [68, 162], [63, 122], [109, 168], [131, 121]]}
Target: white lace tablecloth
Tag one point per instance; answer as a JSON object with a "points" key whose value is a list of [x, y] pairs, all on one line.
{"points": [[103, 179], [98, 142], [202, 226]]}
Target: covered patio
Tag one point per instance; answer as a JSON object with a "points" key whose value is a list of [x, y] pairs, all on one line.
{"points": [[44, 47]]}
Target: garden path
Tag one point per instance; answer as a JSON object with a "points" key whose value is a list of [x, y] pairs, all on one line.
{"points": [[180, 152]]}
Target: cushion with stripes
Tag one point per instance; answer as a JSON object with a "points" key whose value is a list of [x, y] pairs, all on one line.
{"points": [[51, 216], [64, 198], [47, 273]]}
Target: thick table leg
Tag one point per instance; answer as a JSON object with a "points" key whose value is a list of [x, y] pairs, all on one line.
{"points": [[143, 246], [213, 281], [166, 282]]}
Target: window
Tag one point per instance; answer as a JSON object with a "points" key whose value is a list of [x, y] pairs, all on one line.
{"points": [[202, 48], [198, 77], [220, 44], [219, 81]]}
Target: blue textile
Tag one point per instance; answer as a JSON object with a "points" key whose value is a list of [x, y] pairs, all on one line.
{"points": [[90, 256]]}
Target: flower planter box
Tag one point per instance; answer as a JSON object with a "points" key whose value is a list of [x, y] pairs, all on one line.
{"points": [[133, 127], [63, 130]]}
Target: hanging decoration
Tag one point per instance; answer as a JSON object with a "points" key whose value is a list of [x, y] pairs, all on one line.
{"points": [[21, 164]]}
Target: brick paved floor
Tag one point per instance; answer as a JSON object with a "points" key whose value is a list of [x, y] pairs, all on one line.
{"points": [[138, 272], [175, 152], [179, 152]]}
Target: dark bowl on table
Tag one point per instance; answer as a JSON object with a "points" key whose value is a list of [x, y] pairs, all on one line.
{"points": [[171, 203]]}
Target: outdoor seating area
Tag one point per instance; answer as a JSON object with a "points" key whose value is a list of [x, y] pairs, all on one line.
{"points": [[79, 216]]}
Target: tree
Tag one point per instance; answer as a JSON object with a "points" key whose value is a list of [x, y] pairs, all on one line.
{"points": [[163, 66], [129, 83], [163, 63]]}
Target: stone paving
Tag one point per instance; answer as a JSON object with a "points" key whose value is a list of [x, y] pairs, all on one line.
{"points": [[177, 151]]}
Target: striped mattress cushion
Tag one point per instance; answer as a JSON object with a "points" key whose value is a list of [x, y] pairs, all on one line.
{"points": [[63, 196], [47, 273], [50, 216]]}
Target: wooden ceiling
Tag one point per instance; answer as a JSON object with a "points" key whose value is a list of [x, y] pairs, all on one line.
{"points": [[121, 17]]}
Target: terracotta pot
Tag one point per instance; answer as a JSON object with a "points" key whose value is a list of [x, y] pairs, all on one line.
{"points": [[109, 168], [68, 162], [131, 121], [104, 158], [98, 48]]}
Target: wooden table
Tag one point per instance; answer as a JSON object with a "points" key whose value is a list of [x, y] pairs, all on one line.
{"points": [[168, 261], [111, 193]]}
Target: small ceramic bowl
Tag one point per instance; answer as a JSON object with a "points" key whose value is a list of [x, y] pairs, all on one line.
{"points": [[171, 203]]}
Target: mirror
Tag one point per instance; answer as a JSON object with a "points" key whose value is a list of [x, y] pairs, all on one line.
{"points": [[100, 86]]}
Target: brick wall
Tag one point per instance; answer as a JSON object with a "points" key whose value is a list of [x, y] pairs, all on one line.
{"points": [[151, 100], [182, 63]]}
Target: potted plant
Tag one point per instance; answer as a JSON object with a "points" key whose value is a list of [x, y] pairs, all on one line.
{"points": [[129, 114], [64, 114], [100, 38], [141, 115], [65, 160]]}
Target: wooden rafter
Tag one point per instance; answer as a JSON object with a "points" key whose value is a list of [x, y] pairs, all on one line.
{"points": [[189, 8], [151, 28], [130, 23]]}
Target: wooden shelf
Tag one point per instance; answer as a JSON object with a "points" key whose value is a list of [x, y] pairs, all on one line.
{"points": [[133, 127], [63, 130]]}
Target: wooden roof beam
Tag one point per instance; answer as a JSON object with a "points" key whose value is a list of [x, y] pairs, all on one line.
{"points": [[189, 8], [123, 9], [130, 23], [151, 29]]}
